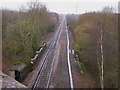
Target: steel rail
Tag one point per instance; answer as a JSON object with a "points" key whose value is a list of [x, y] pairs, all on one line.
{"points": [[44, 61]]}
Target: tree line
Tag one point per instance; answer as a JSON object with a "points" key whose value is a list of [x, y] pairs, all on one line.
{"points": [[95, 37], [25, 30]]}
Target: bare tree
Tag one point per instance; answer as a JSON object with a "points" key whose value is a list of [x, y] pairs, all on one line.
{"points": [[100, 53]]}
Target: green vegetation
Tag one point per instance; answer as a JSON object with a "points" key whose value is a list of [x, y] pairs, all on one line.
{"points": [[77, 48], [25, 30], [87, 35]]}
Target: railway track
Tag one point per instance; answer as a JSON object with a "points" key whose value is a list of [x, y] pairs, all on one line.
{"points": [[45, 72], [38, 75]]}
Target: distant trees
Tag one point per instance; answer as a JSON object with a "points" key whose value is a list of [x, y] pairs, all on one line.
{"points": [[71, 20], [96, 35], [25, 31], [108, 10]]}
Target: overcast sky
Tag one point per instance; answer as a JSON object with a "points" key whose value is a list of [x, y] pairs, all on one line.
{"points": [[64, 6]]}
